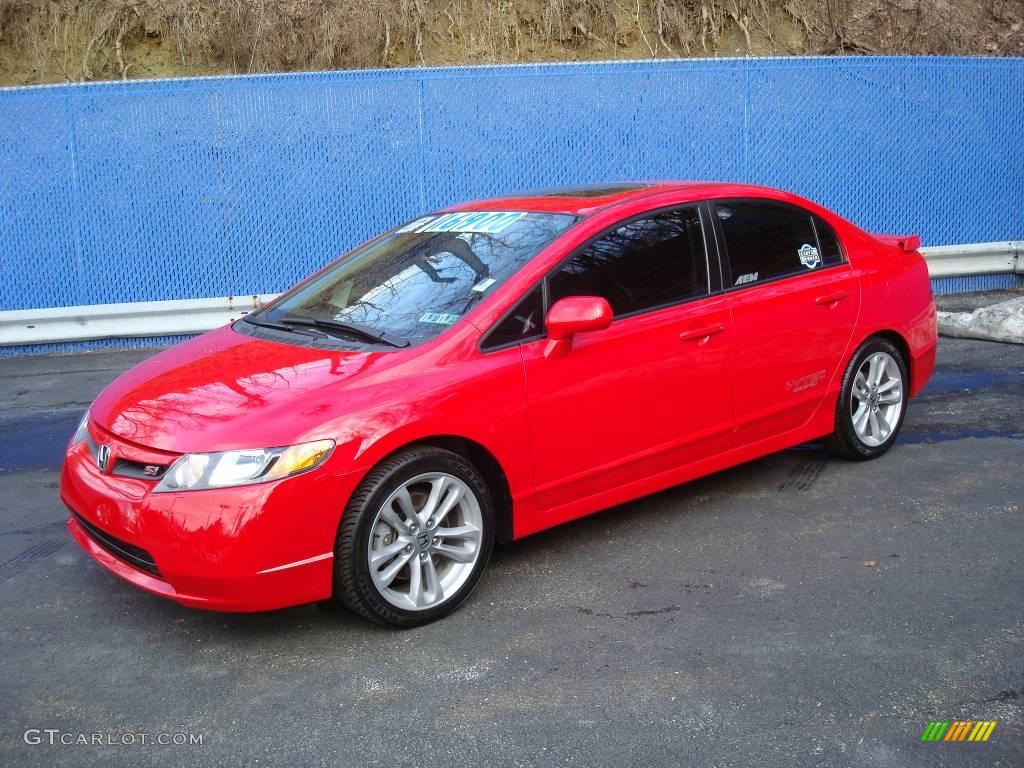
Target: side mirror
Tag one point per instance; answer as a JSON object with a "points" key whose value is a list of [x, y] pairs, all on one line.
{"points": [[572, 315]]}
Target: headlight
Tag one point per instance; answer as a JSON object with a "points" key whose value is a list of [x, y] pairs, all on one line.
{"points": [[202, 471], [81, 432]]}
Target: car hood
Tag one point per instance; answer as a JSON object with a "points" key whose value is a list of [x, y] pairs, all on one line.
{"points": [[225, 391]]}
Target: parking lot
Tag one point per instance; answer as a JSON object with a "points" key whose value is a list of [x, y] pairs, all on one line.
{"points": [[797, 610]]}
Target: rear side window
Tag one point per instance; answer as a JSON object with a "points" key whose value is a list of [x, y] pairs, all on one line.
{"points": [[766, 240], [831, 253], [645, 263]]}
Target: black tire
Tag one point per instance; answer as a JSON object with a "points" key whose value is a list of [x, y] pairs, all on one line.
{"points": [[353, 586], [844, 442]]}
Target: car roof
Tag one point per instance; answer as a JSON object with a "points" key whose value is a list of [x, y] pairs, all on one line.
{"points": [[588, 199]]}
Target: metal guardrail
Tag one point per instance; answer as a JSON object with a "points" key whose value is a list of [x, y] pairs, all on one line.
{"points": [[977, 259], [108, 321], [190, 316]]}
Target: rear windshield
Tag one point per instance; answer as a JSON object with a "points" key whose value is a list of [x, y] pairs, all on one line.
{"points": [[419, 279]]}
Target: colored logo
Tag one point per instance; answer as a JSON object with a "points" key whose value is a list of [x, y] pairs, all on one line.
{"points": [[958, 730]]}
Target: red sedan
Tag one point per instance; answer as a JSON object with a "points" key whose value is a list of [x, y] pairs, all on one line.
{"points": [[488, 371]]}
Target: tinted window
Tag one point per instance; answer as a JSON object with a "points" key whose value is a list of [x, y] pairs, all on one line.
{"points": [[526, 321], [766, 240], [642, 264], [831, 253]]}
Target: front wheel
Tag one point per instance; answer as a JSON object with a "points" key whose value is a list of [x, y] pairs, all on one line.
{"points": [[415, 538], [872, 402]]}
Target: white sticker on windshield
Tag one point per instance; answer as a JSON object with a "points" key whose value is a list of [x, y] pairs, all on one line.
{"points": [[417, 226], [438, 318], [483, 285], [484, 222]]}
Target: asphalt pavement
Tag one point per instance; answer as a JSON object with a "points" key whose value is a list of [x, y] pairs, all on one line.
{"points": [[795, 611]]}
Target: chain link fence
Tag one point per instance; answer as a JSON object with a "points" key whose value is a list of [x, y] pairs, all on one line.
{"points": [[202, 187]]}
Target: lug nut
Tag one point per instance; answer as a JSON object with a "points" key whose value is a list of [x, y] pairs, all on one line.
{"points": [[423, 556], [412, 526], [430, 523], [408, 547]]}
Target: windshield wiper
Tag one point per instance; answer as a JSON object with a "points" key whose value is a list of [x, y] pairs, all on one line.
{"points": [[279, 326], [352, 329]]}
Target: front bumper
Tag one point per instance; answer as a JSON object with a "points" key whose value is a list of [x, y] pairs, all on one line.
{"points": [[251, 548]]}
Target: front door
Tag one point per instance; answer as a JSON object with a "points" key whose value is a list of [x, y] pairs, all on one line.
{"points": [[648, 394]]}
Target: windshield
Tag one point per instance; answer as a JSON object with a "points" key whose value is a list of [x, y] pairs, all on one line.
{"points": [[419, 279]]}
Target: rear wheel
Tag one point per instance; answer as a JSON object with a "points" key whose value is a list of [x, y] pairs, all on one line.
{"points": [[415, 538], [872, 402]]}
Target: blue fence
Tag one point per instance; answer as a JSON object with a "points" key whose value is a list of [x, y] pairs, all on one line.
{"points": [[147, 190]]}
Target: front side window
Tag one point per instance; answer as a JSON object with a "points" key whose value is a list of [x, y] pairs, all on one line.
{"points": [[418, 280], [525, 321], [642, 264], [765, 240]]}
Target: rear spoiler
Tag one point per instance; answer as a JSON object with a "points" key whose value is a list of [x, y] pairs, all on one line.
{"points": [[903, 242]]}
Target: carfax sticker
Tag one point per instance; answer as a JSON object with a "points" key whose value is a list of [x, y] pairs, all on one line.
{"points": [[484, 222], [809, 256], [483, 285], [438, 318]]}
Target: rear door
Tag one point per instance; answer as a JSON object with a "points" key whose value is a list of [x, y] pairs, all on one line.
{"points": [[794, 302], [652, 391]]}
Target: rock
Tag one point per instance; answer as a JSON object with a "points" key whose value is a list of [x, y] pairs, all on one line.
{"points": [[998, 322]]}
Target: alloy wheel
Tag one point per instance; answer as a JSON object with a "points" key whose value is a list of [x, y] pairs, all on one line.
{"points": [[876, 399], [425, 541]]}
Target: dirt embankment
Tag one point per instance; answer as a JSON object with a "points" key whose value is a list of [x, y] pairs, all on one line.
{"points": [[44, 41]]}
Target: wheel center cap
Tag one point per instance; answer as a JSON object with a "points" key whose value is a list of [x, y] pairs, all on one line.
{"points": [[423, 540], [873, 400]]}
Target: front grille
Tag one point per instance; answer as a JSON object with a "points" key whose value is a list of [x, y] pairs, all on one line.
{"points": [[138, 470], [122, 550]]}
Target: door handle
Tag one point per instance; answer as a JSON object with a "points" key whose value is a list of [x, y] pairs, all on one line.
{"points": [[702, 334], [831, 299]]}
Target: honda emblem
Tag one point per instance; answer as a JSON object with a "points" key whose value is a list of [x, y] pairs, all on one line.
{"points": [[103, 457]]}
